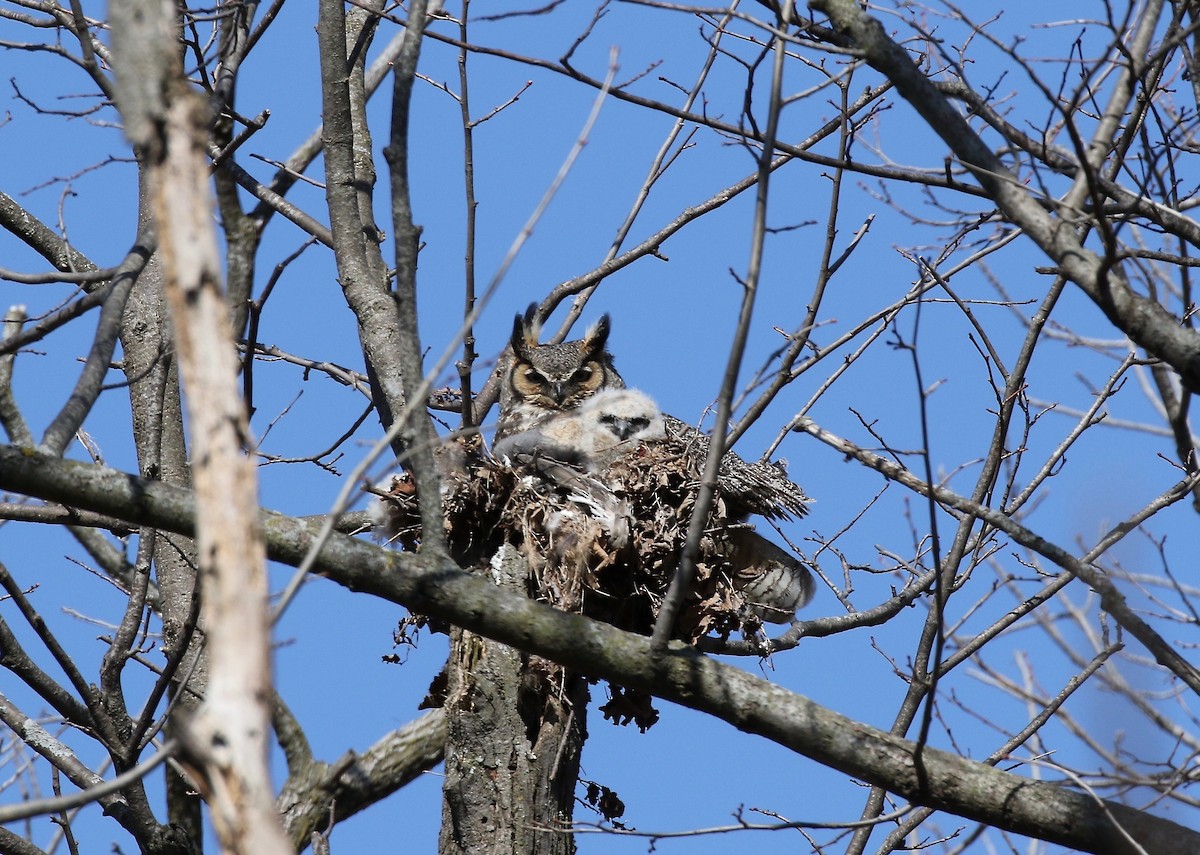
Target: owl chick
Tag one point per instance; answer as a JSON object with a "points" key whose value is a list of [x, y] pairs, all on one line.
{"points": [[605, 427], [567, 416], [542, 380]]}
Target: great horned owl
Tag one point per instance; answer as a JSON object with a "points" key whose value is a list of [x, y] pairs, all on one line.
{"points": [[774, 583], [605, 427], [542, 380], [622, 417], [567, 416], [568, 454]]}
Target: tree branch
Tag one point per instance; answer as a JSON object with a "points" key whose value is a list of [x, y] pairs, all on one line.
{"points": [[357, 781], [682, 675], [1144, 320], [62, 430], [1111, 599], [168, 122], [361, 271]]}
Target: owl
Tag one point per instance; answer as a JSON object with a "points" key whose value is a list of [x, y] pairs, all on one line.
{"points": [[604, 428], [566, 418], [621, 419], [543, 380], [773, 582]]}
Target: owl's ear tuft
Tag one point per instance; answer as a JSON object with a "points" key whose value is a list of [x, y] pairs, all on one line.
{"points": [[526, 330], [596, 337]]}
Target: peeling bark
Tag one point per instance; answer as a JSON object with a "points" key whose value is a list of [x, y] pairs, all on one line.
{"points": [[226, 739]]}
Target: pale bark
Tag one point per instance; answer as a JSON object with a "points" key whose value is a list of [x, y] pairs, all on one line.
{"points": [[226, 740], [230, 731]]}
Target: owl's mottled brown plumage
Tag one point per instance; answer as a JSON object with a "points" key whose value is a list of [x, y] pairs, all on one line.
{"points": [[544, 379]]}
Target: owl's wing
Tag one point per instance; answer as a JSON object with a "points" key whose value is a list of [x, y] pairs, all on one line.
{"points": [[747, 488], [773, 581], [525, 447]]}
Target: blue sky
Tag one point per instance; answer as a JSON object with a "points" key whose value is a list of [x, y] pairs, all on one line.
{"points": [[672, 321]]}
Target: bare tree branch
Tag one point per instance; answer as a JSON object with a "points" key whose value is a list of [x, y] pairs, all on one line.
{"points": [[169, 123], [1144, 320], [955, 784]]}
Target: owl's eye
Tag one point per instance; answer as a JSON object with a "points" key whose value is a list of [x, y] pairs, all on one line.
{"points": [[583, 374], [533, 375]]}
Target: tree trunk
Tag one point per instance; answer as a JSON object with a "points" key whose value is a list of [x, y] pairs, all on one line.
{"points": [[516, 724], [153, 376]]}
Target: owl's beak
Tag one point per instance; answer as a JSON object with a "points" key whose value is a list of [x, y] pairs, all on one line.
{"points": [[624, 429], [560, 393]]}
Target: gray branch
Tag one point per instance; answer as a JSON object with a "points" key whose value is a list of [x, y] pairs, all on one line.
{"points": [[62, 430], [357, 781], [683, 675], [1145, 321]]}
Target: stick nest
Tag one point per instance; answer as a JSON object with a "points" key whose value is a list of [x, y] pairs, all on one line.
{"points": [[604, 544]]}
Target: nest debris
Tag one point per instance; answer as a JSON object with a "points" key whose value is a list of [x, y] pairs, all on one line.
{"points": [[606, 544]]}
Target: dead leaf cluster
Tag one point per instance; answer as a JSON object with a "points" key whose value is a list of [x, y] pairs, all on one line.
{"points": [[605, 544]]}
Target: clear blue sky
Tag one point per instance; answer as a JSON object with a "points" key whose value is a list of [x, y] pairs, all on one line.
{"points": [[672, 321]]}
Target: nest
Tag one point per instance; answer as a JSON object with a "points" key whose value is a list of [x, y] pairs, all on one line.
{"points": [[606, 544]]}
